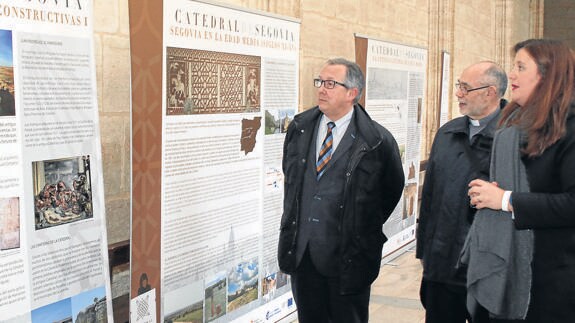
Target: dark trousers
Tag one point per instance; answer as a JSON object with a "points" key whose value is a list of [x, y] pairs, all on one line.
{"points": [[318, 299], [444, 303], [482, 316]]}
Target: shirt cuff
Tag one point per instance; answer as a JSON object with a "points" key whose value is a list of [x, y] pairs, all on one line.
{"points": [[505, 201]]}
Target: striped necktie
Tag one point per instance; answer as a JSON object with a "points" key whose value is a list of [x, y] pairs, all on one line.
{"points": [[325, 151]]}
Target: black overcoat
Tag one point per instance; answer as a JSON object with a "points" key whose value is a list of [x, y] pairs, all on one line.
{"points": [[549, 210], [374, 184], [445, 215]]}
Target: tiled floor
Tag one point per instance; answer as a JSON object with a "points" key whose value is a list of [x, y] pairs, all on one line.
{"points": [[395, 293]]}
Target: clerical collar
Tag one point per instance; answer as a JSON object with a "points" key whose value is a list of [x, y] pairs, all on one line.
{"points": [[483, 121], [476, 126]]}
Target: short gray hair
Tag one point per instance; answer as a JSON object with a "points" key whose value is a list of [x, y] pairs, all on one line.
{"points": [[354, 75], [498, 76]]}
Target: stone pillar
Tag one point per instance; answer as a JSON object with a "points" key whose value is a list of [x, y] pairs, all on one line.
{"points": [[500, 22], [537, 17], [440, 38]]}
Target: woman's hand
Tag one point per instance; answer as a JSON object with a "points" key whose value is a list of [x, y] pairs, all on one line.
{"points": [[485, 195]]}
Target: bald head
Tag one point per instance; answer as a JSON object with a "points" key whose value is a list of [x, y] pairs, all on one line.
{"points": [[492, 74]]}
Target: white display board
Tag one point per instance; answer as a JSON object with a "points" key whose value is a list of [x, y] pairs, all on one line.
{"points": [[53, 245], [230, 88], [394, 97]]}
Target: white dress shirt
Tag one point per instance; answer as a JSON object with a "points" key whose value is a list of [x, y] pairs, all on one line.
{"points": [[337, 132]]}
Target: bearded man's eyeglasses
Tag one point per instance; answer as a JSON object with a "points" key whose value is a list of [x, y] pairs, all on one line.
{"points": [[464, 90]]}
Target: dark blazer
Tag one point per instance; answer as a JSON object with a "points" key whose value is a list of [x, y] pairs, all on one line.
{"points": [[549, 210], [374, 183], [320, 200]]}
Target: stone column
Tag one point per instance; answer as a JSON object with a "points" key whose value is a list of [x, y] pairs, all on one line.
{"points": [[440, 38]]}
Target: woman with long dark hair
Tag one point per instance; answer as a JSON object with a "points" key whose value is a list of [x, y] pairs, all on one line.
{"points": [[542, 109]]}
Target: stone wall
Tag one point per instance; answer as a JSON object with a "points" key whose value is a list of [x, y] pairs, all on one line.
{"points": [[559, 21], [112, 43]]}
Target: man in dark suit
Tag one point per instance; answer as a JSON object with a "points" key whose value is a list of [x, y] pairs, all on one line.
{"points": [[343, 178]]}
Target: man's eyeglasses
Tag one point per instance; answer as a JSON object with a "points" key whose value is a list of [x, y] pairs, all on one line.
{"points": [[464, 90], [328, 84]]}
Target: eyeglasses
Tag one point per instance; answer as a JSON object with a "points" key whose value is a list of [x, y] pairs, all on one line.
{"points": [[328, 84], [465, 91]]}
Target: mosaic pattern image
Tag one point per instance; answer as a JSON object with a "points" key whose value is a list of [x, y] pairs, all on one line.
{"points": [[206, 82]]}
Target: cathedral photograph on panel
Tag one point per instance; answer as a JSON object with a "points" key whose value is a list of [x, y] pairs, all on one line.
{"points": [[215, 297], [277, 121], [90, 306]]}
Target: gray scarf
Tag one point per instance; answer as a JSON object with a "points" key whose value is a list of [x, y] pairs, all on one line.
{"points": [[498, 257]]}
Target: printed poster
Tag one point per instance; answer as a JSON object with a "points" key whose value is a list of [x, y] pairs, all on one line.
{"points": [[230, 89], [53, 245], [394, 97]]}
